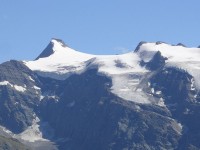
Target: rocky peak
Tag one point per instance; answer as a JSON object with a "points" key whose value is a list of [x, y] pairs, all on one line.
{"points": [[139, 45], [49, 50], [180, 44]]}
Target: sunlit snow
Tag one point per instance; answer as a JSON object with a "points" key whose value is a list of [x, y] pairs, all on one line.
{"points": [[16, 87], [177, 56], [124, 70]]}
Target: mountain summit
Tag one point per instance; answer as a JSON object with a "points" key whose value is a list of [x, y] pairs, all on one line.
{"points": [[58, 60], [50, 49]]}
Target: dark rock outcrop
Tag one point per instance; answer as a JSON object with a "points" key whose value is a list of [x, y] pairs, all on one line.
{"points": [[158, 61], [180, 44], [49, 49], [138, 47], [183, 102], [88, 116], [17, 107]]}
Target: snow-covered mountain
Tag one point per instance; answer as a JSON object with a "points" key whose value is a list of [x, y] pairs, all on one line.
{"points": [[58, 61], [145, 99]]}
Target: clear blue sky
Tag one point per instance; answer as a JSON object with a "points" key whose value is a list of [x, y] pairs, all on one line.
{"points": [[95, 26]]}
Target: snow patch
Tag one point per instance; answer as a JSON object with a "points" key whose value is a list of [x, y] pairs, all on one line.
{"points": [[152, 90], [41, 97], [19, 88], [31, 78], [158, 92], [5, 83], [192, 85], [36, 88], [16, 87], [161, 102], [50, 97], [138, 108]]}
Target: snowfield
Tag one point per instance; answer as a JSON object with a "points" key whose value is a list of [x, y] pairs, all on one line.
{"points": [[125, 69], [177, 56]]}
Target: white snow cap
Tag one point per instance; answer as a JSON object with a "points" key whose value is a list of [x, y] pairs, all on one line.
{"points": [[58, 59], [62, 61], [177, 56]]}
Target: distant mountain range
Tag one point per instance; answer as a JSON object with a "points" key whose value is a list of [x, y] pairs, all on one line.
{"points": [[147, 99]]}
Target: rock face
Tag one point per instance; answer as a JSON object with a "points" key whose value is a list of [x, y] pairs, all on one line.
{"points": [[82, 113], [158, 61], [182, 101], [88, 116], [18, 100]]}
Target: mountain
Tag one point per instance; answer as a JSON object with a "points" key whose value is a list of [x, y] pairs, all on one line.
{"points": [[64, 99]]}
